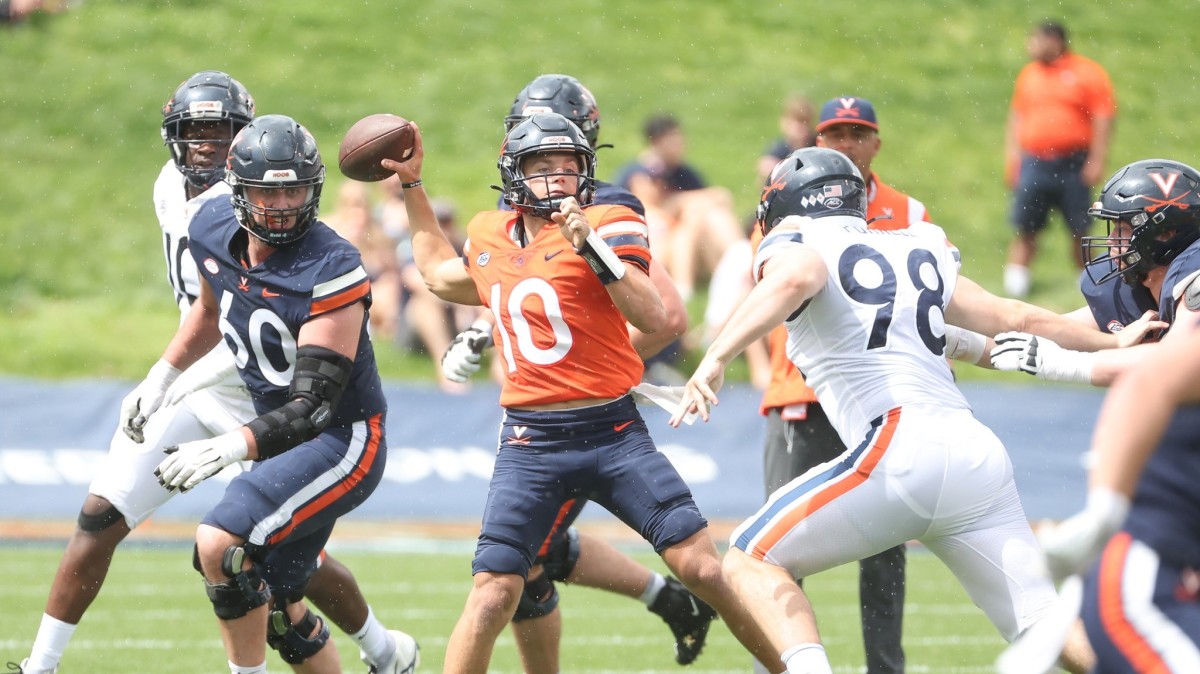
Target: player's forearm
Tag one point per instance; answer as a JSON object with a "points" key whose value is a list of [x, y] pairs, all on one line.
{"points": [[649, 344], [197, 335], [638, 301]]}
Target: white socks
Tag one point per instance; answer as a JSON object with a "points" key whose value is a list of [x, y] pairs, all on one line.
{"points": [[656, 584], [373, 640], [1017, 280], [52, 639], [256, 669], [806, 659]]}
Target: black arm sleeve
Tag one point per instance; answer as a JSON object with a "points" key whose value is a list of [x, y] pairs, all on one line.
{"points": [[320, 378]]}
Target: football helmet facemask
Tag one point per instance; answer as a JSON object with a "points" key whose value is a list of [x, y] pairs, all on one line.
{"points": [[542, 133], [557, 93], [813, 182], [275, 152], [1156, 205], [207, 96]]}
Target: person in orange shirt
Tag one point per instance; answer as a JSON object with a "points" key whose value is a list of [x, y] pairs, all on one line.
{"points": [[1059, 127], [799, 435], [562, 277]]}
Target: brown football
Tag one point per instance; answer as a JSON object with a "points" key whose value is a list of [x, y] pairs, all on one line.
{"points": [[372, 138]]}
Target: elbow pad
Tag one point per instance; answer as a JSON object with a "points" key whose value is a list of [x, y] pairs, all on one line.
{"points": [[318, 382]]}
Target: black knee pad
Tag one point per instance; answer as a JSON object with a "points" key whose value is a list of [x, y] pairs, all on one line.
{"points": [[562, 555], [100, 521], [539, 598], [291, 640], [242, 593]]}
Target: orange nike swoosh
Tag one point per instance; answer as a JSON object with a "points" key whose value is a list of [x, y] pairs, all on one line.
{"points": [[268, 293], [620, 427]]}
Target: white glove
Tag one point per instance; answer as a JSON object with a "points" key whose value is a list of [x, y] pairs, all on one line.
{"points": [[190, 463], [137, 407], [465, 355], [1038, 356], [1072, 545], [206, 373]]}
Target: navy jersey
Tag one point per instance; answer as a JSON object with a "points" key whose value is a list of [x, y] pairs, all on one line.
{"points": [[1182, 267], [1166, 506], [607, 194], [1115, 304], [263, 308]]}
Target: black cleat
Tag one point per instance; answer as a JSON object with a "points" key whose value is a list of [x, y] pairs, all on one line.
{"points": [[688, 617]]}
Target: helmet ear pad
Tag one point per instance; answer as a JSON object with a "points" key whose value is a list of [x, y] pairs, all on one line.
{"points": [[813, 182], [543, 133], [273, 152]]}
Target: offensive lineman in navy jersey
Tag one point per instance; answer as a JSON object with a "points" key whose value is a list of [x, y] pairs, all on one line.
{"points": [[290, 299]]}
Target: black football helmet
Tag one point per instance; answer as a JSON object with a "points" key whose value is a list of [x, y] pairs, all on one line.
{"points": [[814, 182], [274, 151], [557, 93], [210, 95], [541, 133], [1159, 200]]}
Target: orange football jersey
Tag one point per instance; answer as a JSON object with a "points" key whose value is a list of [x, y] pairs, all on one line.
{"points": [[558, 333], [890, 209]]}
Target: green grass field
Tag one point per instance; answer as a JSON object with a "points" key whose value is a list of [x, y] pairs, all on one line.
{"points": [[82, 291], [152, 616]]}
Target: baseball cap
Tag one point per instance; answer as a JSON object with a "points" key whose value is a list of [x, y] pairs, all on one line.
{"points": [[847, 110]]}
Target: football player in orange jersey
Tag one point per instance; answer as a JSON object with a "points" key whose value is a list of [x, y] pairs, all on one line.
{"points": [[568, 554], [561, 279]]}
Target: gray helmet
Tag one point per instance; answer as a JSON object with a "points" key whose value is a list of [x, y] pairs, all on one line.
{"points": [[207, 96], [557, 93], [274, 151], [1160, 199], [814, 182], [541, 133]]}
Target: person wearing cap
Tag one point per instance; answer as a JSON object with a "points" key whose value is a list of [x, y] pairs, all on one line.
{"points": [[1059, 128], [799, 435]]}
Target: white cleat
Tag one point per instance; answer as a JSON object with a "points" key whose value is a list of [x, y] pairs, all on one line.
{"points": [[405, 659]]}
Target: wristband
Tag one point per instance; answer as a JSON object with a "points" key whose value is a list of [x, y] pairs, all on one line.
{"points": [[964, 345], [601, 259], [409, 186], [1069, 366], [1110, 507]]}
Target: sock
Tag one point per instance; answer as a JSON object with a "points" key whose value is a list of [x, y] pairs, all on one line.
{"points": [[373, 640], [254, 669], [806, 659], [52, 639], [656, 584], [1017, 280]]}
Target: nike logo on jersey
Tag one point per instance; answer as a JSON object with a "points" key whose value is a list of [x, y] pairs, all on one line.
{"points": [[551, 255], [695, 608], [620, 427], [268, 293]]}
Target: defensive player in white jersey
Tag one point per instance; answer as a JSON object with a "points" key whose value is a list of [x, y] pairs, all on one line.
{"points": [[209, 399], [866, 313]]}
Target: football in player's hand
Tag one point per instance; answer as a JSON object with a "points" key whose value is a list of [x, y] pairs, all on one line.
{"points": [[372, 138]]}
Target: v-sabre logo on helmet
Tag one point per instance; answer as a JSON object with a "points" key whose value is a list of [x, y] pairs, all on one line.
{"points": [[1164, 184], [280, 174]]}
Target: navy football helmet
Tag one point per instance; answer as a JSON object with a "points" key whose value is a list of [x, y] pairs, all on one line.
{"points": [[541, 133], [557, 93], [1156, 205], [207, 96], [813, 182], [274, 152]]}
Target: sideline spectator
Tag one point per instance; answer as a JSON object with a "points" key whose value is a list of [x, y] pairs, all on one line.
{"points": [[1059, 127], [354, 219], [796, 129], [693, 226]]}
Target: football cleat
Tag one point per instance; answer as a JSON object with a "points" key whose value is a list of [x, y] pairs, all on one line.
{"points": [[23, 668], [404, 660], [688, 617]]}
